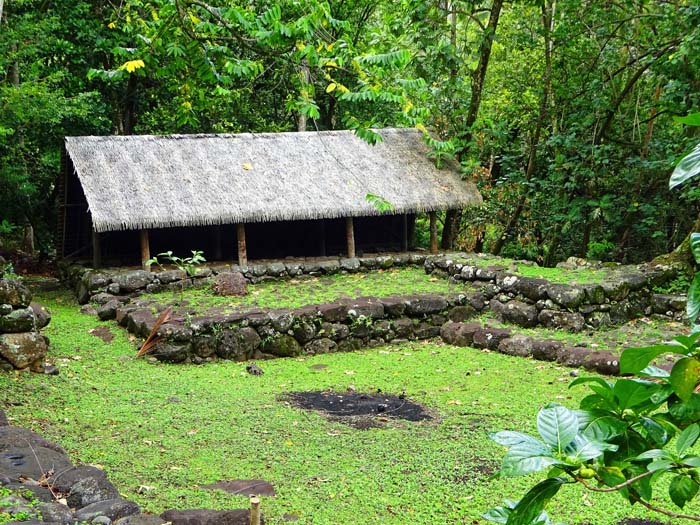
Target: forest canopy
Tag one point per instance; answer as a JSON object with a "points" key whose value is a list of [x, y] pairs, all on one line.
{"points": [[565, 112]]}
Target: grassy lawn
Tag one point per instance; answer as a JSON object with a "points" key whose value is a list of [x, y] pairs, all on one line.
{"points": [[174, 428], [295, 293]]}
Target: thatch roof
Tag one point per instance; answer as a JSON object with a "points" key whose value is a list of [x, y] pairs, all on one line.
{"points": [[140, 182]]}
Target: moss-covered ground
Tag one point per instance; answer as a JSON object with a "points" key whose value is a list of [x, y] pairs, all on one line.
{"points": [[162, 431], [294, 293]]}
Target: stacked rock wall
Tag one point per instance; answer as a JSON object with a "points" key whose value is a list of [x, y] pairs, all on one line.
{"points": [[88, 283], [336, 327], [21, 343], [625, 293]]}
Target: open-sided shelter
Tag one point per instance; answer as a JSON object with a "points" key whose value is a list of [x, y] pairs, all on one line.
{"points": [[258, 195]]}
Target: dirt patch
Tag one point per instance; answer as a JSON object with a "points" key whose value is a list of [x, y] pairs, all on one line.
{"points": [[244, 487], [358, 409], [103, 333], [477, 469]]}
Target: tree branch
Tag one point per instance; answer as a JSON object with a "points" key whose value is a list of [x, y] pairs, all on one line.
{"points": [[616, 487]]}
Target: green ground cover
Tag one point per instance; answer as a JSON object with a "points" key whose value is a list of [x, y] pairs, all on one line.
{"points": [[529, 269], [162, 431], [294, 293]]}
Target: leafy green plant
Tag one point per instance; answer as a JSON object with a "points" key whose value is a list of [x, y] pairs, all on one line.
{"points": [[7, 270], [185, 264], [679, 285], [627, 434]]}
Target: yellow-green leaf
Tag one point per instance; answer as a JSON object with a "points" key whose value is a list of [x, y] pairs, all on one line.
{"points": [[132, 65], [331, 87]]}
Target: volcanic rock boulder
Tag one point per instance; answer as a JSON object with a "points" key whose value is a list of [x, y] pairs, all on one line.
{"points": [[21, 344]]}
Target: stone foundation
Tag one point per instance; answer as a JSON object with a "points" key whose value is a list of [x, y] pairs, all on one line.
{"points": [[625, 293], [88, 283]]}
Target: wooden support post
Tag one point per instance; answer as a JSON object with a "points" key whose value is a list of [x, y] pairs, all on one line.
{"points": [[242, 250], [433, 232], [145, 249], [96, 250], [350, 235], [254, 510], [404, 233]]}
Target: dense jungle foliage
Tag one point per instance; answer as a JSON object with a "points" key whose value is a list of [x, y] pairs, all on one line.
{"points": [[561, 110]]}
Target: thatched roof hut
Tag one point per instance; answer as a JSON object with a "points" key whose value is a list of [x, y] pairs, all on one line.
{"points": [[147, 182]]}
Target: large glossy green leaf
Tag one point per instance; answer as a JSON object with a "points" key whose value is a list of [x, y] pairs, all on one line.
{"points": [[687, 438], [558, 426], [654, 453], [531, 506], [684, 377], [583, 449], [630, 393], [634, 360], [611, 476], [652, 431], [598, 425], [692, 308], [695, 246], [525, 459], [588, 379], [687, 412], [687, 168], [682, 489], [508, 438]]}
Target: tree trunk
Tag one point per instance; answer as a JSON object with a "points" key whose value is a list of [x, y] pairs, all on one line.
{"points": [[305, 75], [548, 9], [682, 255], [453, 218]]}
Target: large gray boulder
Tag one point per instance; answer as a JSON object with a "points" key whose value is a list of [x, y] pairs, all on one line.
{"points": [[570, 321], [134, 280], [230, 284], [18, 320], [515, 312], [84, 485], [14, 293], [24, 349], [42, 315], [237, 343]]}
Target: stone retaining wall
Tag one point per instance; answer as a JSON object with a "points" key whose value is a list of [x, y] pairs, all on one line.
{"points": [[87, 283], [318, 329], [21, 343], [624, 294]]}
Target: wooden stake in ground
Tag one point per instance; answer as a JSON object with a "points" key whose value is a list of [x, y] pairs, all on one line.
{"points": [[254, 510]]}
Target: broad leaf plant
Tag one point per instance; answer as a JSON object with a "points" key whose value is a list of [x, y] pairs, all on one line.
{"points": [[627, 434]]}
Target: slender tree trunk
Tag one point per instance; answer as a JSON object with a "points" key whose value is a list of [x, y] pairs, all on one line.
{"points": [[305, 76], [454, 217], [548, 9]]}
